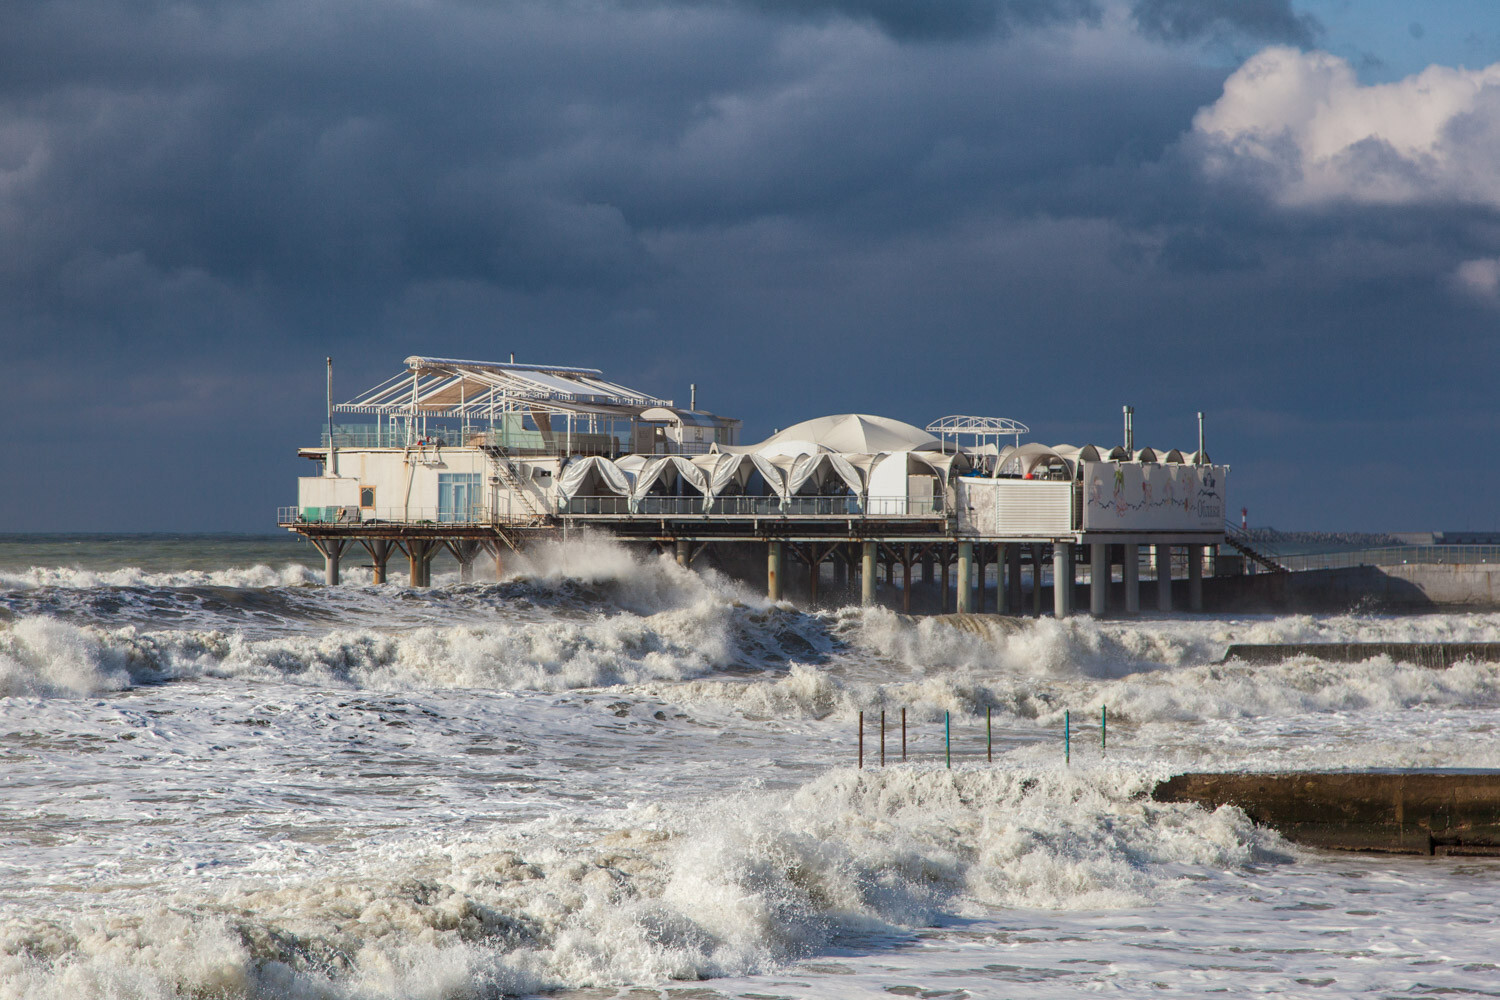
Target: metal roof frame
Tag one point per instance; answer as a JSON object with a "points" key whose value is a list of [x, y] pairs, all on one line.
{"points": [[982, 426], [448, 387]]}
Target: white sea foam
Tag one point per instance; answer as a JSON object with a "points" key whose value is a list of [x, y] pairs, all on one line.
{"points": [[42, 656], [74, 578], [728, 887]]}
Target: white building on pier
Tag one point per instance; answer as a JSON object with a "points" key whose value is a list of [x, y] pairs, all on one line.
{"points": [[457, 452]]}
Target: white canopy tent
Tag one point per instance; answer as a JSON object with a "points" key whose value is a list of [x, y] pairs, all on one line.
{"points": [[817, 469], [593, 472], [669, 467], [846, 433], [736, 470]]}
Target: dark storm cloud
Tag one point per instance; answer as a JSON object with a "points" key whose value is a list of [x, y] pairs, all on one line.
{"points": [[939, 19], [784, 203], [210, 148], [1255, 20]]}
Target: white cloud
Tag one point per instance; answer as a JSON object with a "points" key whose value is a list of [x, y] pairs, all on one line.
{"points": [[1300, 125], [1479, 278]]}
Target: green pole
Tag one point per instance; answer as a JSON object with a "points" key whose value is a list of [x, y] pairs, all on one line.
{"points": [[1067, 737], [948, 738], [989, 740], [1103, 727]]}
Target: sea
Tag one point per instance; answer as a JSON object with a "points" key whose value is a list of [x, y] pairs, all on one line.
{"points": [[606, 776]]}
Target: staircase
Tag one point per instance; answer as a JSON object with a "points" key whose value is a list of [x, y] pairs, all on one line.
{"points": [[1239, 540], [511, 477]]}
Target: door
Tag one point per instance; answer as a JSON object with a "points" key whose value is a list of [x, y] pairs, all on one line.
{"points": [[459, 500]]}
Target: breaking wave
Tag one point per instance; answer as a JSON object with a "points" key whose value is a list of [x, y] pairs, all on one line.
{"points": [[73, 578], [43, 657], [733, 886]]}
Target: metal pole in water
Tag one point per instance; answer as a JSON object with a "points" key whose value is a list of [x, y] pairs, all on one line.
{"points": [[861, 741], [948, 739], [1103, 727], [1067, 737], [989, 740], [903, 734], [882, 737]]}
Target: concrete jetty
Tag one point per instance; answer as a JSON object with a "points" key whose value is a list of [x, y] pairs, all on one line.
{"points": [[1397, 812], [1436, 655]]}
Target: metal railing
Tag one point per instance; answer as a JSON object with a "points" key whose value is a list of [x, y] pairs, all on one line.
{"points": [[741, 506], [1393, 555], [517, 442], [618, 506], [347, 515]]}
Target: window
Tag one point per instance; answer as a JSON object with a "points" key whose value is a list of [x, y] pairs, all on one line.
{"points": [[459, 497], [367, 496]]}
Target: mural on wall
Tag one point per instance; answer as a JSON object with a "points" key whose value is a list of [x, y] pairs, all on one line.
{"points": [[1124, 496]]}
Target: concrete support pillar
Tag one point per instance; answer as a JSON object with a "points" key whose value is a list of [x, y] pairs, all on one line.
{"points": [[1062, 578], [773, 570], [979, 578], [1036, 580], [419, 553], [684, 550], [1016, 603], [965, 579], [943, 603], [1130, 572], [927, 567], [380, 554], [841, 570], [1164, 578], [906, 577], [867, 573], [814, 572], [499, 562], [1002, 604], [1195, 577], [1098, 579], [332, 549]]}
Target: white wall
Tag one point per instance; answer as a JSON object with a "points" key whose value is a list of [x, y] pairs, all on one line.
{"points": [[1014, 508], [406, 482], [1125, 496]]}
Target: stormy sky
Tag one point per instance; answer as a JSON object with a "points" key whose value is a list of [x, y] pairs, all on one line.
{"points": [[1284, 214]]}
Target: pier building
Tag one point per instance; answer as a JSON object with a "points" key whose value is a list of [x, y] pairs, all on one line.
{"points": [[483, 458]]}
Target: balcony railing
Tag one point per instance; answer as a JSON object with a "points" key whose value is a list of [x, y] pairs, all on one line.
{"points": [[739, 506], [618, 506], [394, 515]]}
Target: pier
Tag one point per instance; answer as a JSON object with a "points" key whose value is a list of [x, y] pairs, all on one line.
{"points": [[479, 459], [1397, 812], [1435, 655]]}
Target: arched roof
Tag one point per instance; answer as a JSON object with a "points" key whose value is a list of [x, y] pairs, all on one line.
{"points": [[1026, 458], [853, 433]]}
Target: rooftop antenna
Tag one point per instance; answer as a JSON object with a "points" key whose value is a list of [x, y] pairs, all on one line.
{"points": [[333, 454], [512, 357], [1200, 437], [1130, 429], [693, 396]]}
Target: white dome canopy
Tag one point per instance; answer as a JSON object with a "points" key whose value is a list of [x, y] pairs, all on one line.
{"points": [[851, 433]]}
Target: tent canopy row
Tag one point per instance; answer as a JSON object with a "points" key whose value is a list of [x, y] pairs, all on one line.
{"points": [[714, 475], [827, 473], [1066, 460]]}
